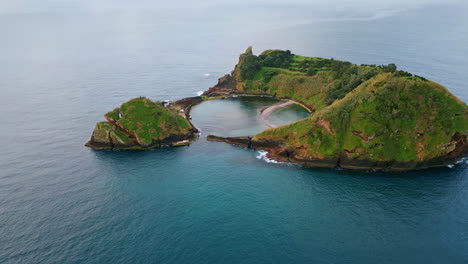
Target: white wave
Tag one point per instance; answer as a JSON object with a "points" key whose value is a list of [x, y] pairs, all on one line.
{"points": [[207, 75], [262, 155], [461, 161], [199, 93]]}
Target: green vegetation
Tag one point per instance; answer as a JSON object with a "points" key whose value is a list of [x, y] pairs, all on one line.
{"points": [[114, 114], [107, 133], [262, 74], [138, 124], [385, 119], [350, 77], [118, 137], [365, 112], [316, 81], [250, 64], [276, 58], [149, 121]]}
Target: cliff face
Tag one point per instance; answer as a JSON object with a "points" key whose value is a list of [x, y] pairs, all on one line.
{"points": [[230, 83], [226, 86], [143, 124], [365, 116]]}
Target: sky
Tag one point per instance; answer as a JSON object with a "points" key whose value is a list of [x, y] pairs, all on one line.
{"points": [[356, 6]]}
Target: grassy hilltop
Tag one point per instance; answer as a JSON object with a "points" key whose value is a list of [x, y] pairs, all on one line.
{"points": [[363, 115], [139, 124]]}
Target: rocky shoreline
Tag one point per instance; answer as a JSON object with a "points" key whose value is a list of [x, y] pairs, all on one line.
{"points": [[277, 151]]}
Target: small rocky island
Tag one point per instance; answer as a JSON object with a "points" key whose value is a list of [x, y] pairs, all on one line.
{"points": [[363, 116], [141, 124]]}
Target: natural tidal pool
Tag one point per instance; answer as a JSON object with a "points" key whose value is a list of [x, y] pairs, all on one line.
{"points": [[240, 116]]}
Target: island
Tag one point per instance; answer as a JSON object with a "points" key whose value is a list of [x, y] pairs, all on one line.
{"points": [[141, 124], [362, 116]]}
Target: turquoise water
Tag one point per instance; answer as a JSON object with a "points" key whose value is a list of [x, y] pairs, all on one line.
{"points": [[240, 116], [64, 66]]}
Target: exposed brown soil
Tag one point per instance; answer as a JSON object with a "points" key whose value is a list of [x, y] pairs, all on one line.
{"points": [[326, 125]]}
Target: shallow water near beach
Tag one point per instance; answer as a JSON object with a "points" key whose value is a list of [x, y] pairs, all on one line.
{"points": [[210, 202], [240, 116]]}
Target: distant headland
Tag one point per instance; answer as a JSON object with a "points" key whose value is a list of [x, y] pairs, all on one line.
{"points": [[362, 116]]}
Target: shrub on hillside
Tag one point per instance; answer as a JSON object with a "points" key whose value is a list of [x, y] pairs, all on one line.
{"points": [[277, 59], [249, 66]]}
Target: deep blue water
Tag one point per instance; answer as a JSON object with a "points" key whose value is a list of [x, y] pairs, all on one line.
{"points": [[63, 67]]}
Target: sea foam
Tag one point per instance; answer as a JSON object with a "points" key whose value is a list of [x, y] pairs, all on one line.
{"points": [[461, 161], [262, 155]]}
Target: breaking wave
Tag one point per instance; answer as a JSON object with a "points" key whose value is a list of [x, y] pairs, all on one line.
{"points": [[462, 161], [262, 155]]}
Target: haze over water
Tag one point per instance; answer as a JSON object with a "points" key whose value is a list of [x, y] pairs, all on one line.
{"points": [[64, 64]]}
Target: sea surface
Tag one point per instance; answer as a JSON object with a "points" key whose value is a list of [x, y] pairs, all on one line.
{"points": [[64, 64]]}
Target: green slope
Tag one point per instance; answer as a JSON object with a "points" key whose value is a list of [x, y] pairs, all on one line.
{"points": [[148, 121], [140, 124], [364, 112]]}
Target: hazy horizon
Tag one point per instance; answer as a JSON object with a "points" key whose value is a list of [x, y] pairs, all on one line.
{"points": [[330, 9]]}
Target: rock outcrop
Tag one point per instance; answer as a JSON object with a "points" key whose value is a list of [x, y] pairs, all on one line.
{"points": [[143, 124]]}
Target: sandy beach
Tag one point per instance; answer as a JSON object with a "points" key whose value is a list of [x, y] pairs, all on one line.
{"points": [[265, 112]]}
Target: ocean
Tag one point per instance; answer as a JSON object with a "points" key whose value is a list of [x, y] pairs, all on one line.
{"points": [[64, 65]]}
